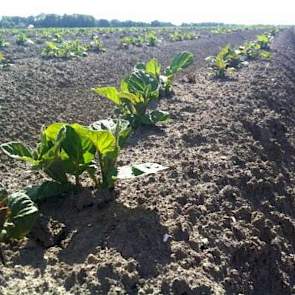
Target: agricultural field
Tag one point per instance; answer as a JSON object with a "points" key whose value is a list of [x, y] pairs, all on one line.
{"points": [[147, 161]]}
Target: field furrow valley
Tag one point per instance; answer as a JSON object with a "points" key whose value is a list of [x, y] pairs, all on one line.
{"points": [[218, 219]]}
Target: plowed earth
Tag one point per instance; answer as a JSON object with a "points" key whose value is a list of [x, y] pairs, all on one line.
{"points": [[220, 220]]}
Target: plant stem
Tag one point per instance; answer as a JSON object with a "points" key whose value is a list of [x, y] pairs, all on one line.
{"points": [[77, 180], [2, 258], [95, 180]]}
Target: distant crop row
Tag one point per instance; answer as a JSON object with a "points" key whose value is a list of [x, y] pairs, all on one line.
{"points": [[66, 151], [229, 60], [57, 44]]}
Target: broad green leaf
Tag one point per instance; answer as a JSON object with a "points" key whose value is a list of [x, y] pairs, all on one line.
{"points": [[131, 98], [262, 38], [265, 54], [121, 129], [22, 216], [53, 130], [179, 62], [17, 150], [159, 116], [71, 144], [104, 141], [123, 86], [143, 83], [88, 148], [56, 168], [153, 67], [47, 190], [140, 66], [132, 171], [110, 93]]}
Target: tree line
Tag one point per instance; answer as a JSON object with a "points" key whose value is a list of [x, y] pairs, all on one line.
{"points": [[70, 21]]}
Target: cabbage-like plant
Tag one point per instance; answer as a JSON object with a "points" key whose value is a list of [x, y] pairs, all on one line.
{"points": [[23, 39], [176, 36], [120, 128], [17, 216], [126, 41], [72, 149], [67, 49], [66, 149], [264, 41], [153, 68], [179, 62], [225, 61], [180, 36], [4, 62], [3, 43], [251, 50], [151, 39], [96, 45], [133, 99]]}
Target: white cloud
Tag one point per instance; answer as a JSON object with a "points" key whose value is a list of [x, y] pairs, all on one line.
{"points": [[230, 11]]}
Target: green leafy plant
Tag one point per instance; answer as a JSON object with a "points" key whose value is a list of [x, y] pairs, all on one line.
{"points": [[251, 50], [226, 61], [72, 149], [4, 62], [120, 128], [51, 50], [179, 62], [17, 216], [3, 43], [176, 36], [126, 41], [23, 39], [142, 86], [133, 99], [181, 36], [65, 150], [57, 37], [96, 45], [67, 49], [151, 39], [264, 41]]}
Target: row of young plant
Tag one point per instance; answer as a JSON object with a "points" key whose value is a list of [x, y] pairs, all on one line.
{"points": [[59, 47], [66, 151], [228, 60]]}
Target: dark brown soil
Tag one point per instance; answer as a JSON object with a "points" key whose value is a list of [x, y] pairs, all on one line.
{"points": [[220, 220]]}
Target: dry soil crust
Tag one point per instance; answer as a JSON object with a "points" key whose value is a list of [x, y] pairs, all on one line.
{"points": [[227, 201]]}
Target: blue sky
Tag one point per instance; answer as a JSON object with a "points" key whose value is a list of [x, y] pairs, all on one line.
{"points": [[176, 11]]}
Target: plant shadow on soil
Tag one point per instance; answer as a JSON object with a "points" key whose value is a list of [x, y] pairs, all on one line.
{"points": [[83, 227], [32, 254], [135, 233], [144, 133]]}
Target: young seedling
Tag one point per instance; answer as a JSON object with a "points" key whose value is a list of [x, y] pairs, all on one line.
{"points": [[22, 39], [151, 39], [67, 49], [3, 43], [226, 61], [264, 41], [4, 62], [96, 45], [133, 98], [165, 80]]}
